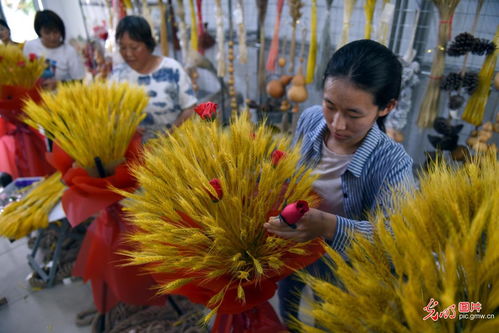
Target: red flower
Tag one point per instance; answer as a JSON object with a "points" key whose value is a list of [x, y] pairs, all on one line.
{"points": [[293, 212], [276, 156], [217, 186], [206, 110], [21, 63], [32, 57]]}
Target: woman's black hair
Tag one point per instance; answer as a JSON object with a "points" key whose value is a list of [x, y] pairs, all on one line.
{"points": [[4, 23], [370, 66], [49, 20], [138, 29]]}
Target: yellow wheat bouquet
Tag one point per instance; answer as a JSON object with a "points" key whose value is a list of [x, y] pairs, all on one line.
{"points": [[20, 218], [205, 193], [89, 121], [18, 70], [436, 269]]}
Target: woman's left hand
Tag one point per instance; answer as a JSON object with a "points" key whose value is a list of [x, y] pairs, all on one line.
{"points": [[315, 223]]}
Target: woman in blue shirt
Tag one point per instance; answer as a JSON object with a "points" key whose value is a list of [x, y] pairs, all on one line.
{"points": [[344, 142]]}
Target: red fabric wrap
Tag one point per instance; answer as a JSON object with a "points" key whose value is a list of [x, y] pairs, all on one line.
{"points": [[99, 261]]}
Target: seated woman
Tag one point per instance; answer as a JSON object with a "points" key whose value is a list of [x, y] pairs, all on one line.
{"points": [[171, 98], [343, 140], [63, 61], [5, 34]]}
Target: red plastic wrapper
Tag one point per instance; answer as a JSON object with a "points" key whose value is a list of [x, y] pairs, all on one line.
{"points": [[87, 195], [260, 319]]}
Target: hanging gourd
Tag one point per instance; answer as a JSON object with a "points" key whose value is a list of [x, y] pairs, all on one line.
{"points": [[298, 93]]}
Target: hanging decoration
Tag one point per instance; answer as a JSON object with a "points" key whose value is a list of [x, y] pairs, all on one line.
{"points": [[262, 13], [30, 213], [325, 47], [205, 39], [475, 109], [397, 118], [241, 32], [429, 107], [479, 139], [274, 45], [312, 51], [348, 7], [369, 7], [385, 23], [146, 13], [220, 39], [163, 30], [182, 30], [207, 241], [231, 57], [295, 13], [439, 255], [194, 29]]}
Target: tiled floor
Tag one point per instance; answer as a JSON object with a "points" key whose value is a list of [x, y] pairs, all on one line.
{"points": [[36, 311]]}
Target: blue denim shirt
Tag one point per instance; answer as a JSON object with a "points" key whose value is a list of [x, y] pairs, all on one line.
{"points": [[378, 166]]}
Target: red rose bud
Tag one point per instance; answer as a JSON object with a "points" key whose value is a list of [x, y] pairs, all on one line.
{"points": [[206, 110], [32, 57], [21, 63], [293, 212], [276, 156], [215, 183]]}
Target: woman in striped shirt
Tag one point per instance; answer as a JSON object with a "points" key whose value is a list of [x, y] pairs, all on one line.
{"points": [[344, 142]]}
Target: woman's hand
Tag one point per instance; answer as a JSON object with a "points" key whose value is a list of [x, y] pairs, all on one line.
{"points": [[315, 223]]}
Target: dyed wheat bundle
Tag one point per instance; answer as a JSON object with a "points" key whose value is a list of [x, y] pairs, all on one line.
{"points": [[30, 213], [205, 194], [369, 7], [312, 51], [18, 70], [89, 121], [274, 45], [443, 245], [475, 109], [348, 7], [241, 32], [194, 29], [220, 39], [430, 105]]}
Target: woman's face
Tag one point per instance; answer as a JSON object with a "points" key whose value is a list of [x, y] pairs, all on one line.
{"points": [[133, 52], [4, 34], [51, 38], [350, 113]]}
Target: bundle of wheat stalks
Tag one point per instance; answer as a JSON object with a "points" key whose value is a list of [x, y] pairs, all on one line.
{"points": [[443, 244], [475, 109], [429, 107], [89, 121], [20, 218], [18, 70], [205, 194]]}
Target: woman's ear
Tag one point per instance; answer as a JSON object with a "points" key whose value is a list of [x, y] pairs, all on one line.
{"points": [[389, 107]]}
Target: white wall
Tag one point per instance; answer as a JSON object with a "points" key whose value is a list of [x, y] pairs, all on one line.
{"points": [[69, 11]]}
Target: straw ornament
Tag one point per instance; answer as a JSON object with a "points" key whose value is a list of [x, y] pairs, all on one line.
{"points": [[205, 193], [89, 121]]}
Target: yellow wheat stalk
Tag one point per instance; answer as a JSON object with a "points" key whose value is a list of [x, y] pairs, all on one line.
{"points": [[230, 240], [20, 218], [18, 70], [88, 121], [444, 244]]}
